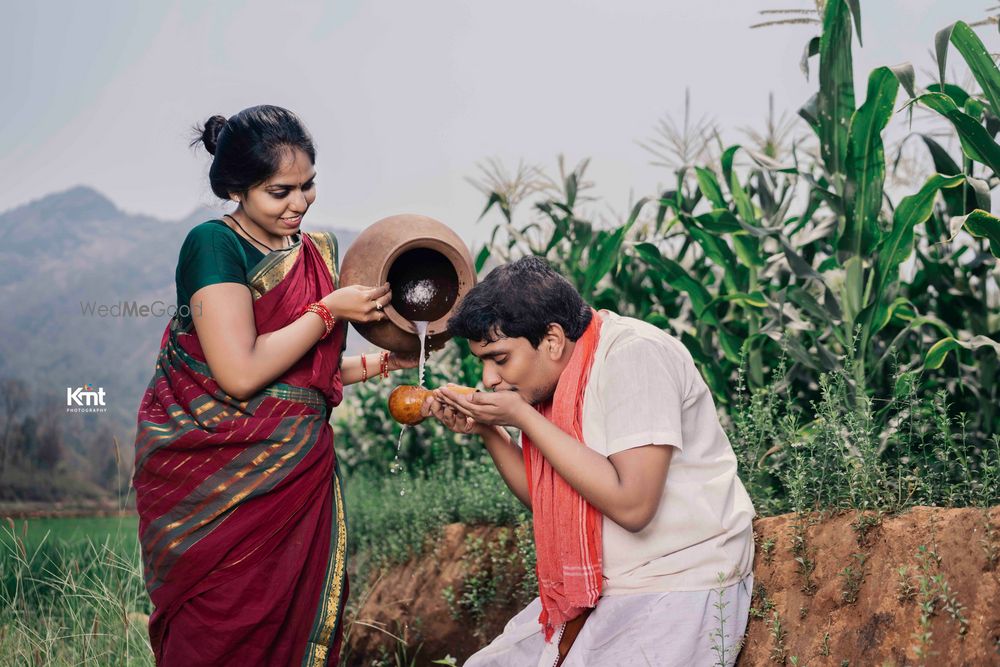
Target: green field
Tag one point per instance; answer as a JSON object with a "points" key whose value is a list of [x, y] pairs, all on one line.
{"points": [[119, 531], [71, 593]]}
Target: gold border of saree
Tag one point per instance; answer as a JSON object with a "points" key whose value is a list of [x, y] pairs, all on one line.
{"points": [[329, 614], [271, 270]]}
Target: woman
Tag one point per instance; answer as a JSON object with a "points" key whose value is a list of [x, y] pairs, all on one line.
{"points": [[241, 515]]}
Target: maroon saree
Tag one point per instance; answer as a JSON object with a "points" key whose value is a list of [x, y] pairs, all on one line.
{"points": [[241, 515]]}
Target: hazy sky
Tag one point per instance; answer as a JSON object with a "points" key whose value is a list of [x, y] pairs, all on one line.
{"points": [[403, 98]]}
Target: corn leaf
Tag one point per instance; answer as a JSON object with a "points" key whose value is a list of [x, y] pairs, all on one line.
{"points": [[836, 85]]}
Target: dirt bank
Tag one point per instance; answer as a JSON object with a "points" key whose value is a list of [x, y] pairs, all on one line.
{"points": [[922, 587]]}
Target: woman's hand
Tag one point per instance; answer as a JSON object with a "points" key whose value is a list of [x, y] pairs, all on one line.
{"points": [[450, 417], [495, 408], [358, 303], [398, 361]]}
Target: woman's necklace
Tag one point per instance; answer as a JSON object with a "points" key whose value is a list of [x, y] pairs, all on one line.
{"points": [[269, 248]]}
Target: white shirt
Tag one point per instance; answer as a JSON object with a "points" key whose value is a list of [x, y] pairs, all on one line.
{"points": [[645, 389]]}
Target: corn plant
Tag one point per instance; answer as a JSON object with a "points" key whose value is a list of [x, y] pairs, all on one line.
{"points": [[748, 258], [805, 263]]}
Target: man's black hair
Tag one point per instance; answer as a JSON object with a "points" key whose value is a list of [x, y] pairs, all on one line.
{"points": [[520, 300]]}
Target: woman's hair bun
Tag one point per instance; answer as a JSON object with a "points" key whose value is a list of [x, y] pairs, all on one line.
{"points": [[209, 135], [250, 146]]}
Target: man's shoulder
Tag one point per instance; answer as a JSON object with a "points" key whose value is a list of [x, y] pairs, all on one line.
{"points": [[633, 348], [619, 332]]}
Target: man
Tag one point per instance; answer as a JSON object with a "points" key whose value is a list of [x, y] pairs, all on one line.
{"points": [[642, 527]]}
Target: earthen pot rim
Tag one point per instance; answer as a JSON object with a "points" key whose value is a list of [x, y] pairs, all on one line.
{"points": [[457, 261], [371, 257]]}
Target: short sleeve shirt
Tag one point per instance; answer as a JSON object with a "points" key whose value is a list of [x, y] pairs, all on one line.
{"points": [[212, 253], [644, 389]]}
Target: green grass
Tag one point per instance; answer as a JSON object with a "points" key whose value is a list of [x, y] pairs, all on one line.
{"points": [[391, 518], [71, 593]]}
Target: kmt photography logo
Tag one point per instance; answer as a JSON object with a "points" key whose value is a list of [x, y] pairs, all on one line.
{"points": [[85, 399]]}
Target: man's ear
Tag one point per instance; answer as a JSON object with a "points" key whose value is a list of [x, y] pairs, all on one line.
{"points": [[554, 342]]}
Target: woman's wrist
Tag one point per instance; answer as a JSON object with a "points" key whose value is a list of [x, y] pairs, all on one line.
{"points": [[376, 365], [392, 362], [330, 306], [328, 319]]}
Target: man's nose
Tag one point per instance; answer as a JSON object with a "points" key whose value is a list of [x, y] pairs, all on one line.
{"points": [[491, 379]]}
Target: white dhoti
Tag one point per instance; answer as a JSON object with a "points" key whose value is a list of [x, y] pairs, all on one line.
{"points": [[664, 629]]}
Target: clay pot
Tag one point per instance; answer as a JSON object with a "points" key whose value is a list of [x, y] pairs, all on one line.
{"points": [[429, 269], [406, 399]]}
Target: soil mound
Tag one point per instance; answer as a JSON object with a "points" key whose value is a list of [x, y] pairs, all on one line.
{"points": [[857, 589]]}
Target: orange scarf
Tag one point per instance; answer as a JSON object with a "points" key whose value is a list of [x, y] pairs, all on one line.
{"points": [[567, 528]]}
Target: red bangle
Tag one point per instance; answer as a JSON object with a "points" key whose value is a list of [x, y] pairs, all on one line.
{"points": [[329, 321], [364, 369], [384, 365]]}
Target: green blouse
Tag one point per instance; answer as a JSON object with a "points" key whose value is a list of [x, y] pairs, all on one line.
{"points": [[212, 253]]}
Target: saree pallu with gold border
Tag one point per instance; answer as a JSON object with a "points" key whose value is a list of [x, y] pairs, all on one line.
{"points": [[241, 516]]}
